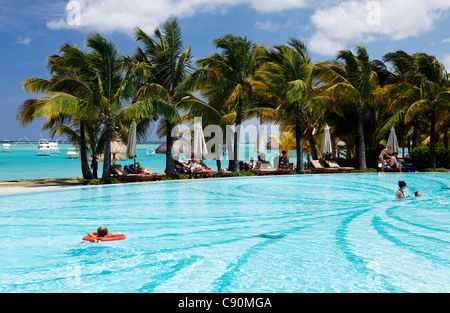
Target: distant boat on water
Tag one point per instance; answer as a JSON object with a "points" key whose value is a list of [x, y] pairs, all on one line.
{"points": [[43, 148], [6, 147], [73, 153], [151, 152]]}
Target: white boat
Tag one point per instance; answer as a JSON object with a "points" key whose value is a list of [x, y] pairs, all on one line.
{"points": [[73, 153], [43, 148], [151, 152], [6, 147], [54, 148]]}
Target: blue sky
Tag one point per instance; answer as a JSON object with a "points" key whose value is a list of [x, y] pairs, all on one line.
{"points": [[32, 30]]}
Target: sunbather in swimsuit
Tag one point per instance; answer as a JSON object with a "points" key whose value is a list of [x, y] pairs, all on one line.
{"points": [[384, 153]]}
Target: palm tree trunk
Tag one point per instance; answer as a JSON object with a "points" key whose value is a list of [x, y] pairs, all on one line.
{"points": [[170, 163], [298, 140], [85, 170], [94, 168], [446, 137], [361, 150], [106, 176], [219, 165], [433, 139], [235, 163]]}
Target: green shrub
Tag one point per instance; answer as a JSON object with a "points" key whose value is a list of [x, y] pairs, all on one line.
{"points": [[442, 157], [420, 157], [369, 170], [437, 170], [98, 181], [238, 174]]}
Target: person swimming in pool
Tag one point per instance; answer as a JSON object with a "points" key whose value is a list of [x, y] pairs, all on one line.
{"points": [[417, 194], [102, 231], [400, 193]]}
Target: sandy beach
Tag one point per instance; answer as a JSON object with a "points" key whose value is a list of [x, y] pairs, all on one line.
{"points": [[37, 185]]}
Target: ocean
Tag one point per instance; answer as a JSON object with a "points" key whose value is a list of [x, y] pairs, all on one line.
{"points": [[23, 162]]}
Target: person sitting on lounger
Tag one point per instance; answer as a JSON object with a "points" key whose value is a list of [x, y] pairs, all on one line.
{"points": [[284, 160], [194, 166], [248, 166], [259, 163], [181, 167]]}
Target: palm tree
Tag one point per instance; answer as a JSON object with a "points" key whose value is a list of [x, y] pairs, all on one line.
{"points": [[431, 82], [97, 92], [354, 81], [232, 75], [289, 75], [168, 65], [62, 81], [422, 89]]}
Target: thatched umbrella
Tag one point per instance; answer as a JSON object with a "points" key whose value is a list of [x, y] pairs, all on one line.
{"points": [[180, 145], [118, 150]]}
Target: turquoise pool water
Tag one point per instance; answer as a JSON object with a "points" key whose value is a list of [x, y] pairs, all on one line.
{"points": [[306, 233]]}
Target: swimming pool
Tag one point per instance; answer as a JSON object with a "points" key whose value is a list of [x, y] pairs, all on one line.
{"points": [[306, 233]]}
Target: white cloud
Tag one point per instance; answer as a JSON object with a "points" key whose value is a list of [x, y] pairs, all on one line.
{"points": [[446, 62], [24, 40], [445, 40], [267, 25], [123, 16], [359, 22]]}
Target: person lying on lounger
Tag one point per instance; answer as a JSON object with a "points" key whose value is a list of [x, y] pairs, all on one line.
{"points": [[142, 170], [393, 163]]}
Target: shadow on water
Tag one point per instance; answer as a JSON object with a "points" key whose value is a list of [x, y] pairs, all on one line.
{"points": [[271, 236]]}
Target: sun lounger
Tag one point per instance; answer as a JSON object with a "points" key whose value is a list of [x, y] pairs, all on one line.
{"points": [[334, 164], [225, 173], [409, 168], [388, 168], [119, 172], [205, 172], [266, 169], [317, 167]]}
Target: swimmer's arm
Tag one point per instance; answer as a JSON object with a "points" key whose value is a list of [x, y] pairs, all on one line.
{"points": [[92, 234]]}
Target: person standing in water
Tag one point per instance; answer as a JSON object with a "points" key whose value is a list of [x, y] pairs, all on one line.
{"points": [[400, 193]]}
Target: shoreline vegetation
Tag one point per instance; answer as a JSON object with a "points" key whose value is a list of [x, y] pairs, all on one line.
{"points": [[93, 95]]}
